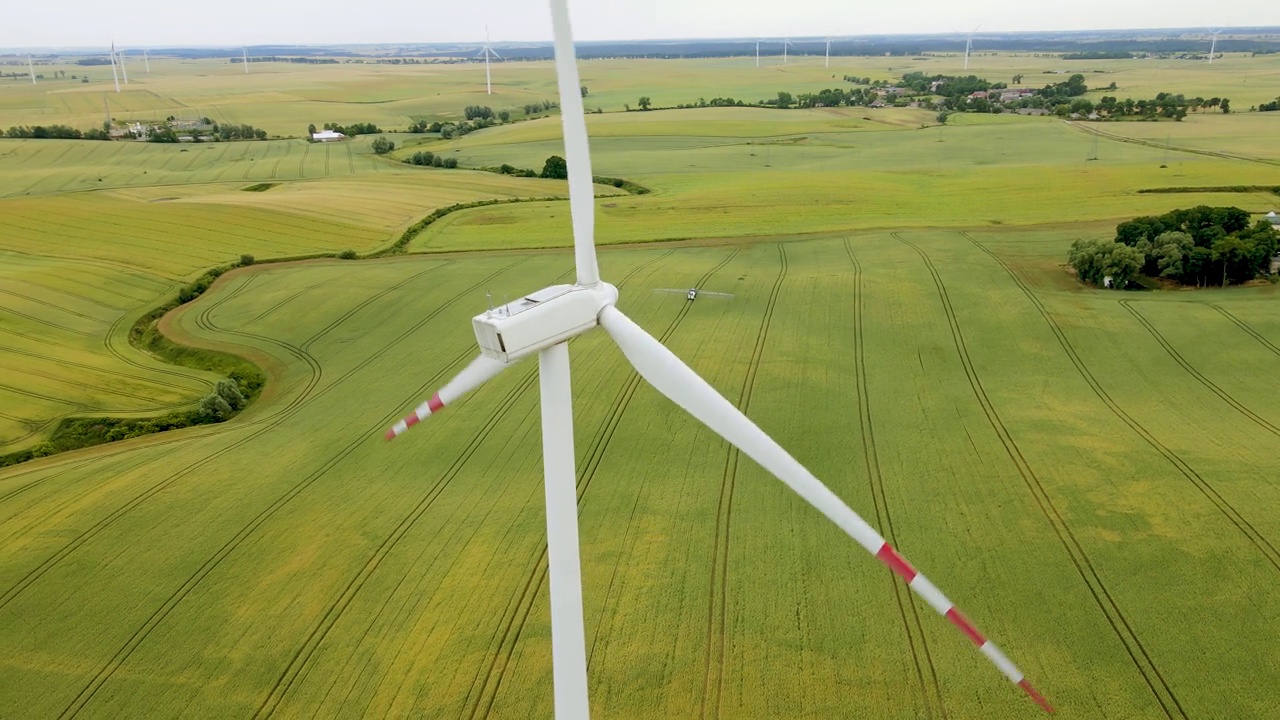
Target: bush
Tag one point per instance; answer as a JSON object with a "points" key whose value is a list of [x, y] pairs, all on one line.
{"points": [[213, 408], [347, 254], [246, 260], [555, 168], [382, 146], [229, 391]]}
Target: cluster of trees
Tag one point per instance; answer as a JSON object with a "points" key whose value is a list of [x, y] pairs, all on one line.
{"points": [[430, 159], [857, 80], [1198, 246], [351, 130], [1099, 55], [540, 107], [382, 145], [1271, 106], [61, 132], [233, 131], [474, 112], [287, 59], [1167, 105]]}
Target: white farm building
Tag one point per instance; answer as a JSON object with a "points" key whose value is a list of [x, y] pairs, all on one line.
{"points": [[327, 136]]}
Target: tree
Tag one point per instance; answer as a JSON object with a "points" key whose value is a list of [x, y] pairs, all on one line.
{"points": [[229, 391], [213, 408], [382, 146], [584, 90], [644, 102], [785, 100], [311, 130], [1225, 106], [942, 117], [556, 168], [504, 116]]}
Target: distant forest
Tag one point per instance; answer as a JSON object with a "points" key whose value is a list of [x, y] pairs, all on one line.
{"points": [[1074, 45]]}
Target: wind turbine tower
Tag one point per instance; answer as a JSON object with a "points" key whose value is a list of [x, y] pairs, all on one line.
{"points": [[786, 42], [123, 70], [146, 60], [31, 68], [828, 62], [968, 45], [486, 52], [540, 324], [114, 74], [757, 53], [244, 56], [1213, 46]]}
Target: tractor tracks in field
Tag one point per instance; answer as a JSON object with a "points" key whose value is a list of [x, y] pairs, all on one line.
{"points": [[917, 641], [1248, 330], [1116, 618], [1252, 534], [104, 674], [1193, 372], [718, 597], [301, 660]]}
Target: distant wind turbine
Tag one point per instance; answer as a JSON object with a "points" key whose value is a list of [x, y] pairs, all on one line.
{"points": [[968, 45], [31, 68], [828, 62], [146, 60], [786, 42], [123, 70], [757, 53], [114, 74], [1213, 46], [486, 52], [244, 55]]}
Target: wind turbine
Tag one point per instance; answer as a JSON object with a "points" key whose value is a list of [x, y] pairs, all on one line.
{"points": [[785, 42], [1213, 46], [968, 45], [146, 60], [486, 52], [123, 70], [828, 62], [31, 68], [114, 74], [757, 53], [542, 323], [244, 57]]}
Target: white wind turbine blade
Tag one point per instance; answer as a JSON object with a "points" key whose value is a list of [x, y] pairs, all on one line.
{"points": [[684, 387], [715, 294], [568, 636], [480, 371], [577, 154]]}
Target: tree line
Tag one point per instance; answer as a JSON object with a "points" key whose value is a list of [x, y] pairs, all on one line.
{"points": [[1198, 246], [60, 132]]}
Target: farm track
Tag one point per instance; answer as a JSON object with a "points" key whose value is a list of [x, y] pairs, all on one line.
{"points": [[1119, 623], [262, 426], [1249, 330], [302, 171], [104, 674], [718, 595], [351, 159], [488, 679], [85, 299], [35, 483], [123, 356], [912, 625], [1252, 534], [1163, 146], [1193, 372]]}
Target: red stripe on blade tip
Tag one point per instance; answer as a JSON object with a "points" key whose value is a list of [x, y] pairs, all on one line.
{"points": [[896, 562], [412, 420], [391, 434], [435, 403], [1026, 686], [966, 627]]}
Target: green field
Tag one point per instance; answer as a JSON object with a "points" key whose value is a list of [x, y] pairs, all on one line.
{"points": [[1088, 474]]}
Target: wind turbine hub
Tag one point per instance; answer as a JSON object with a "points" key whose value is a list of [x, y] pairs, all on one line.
{"points": [[541, 319]]}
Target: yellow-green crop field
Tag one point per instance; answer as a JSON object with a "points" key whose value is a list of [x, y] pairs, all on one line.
{"points": [[1089, 474]]}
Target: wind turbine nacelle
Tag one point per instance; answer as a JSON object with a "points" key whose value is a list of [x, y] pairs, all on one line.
{"points": [[541, 319]]}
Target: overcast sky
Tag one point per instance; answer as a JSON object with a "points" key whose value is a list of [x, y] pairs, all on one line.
{"points": [[76, 23]]}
